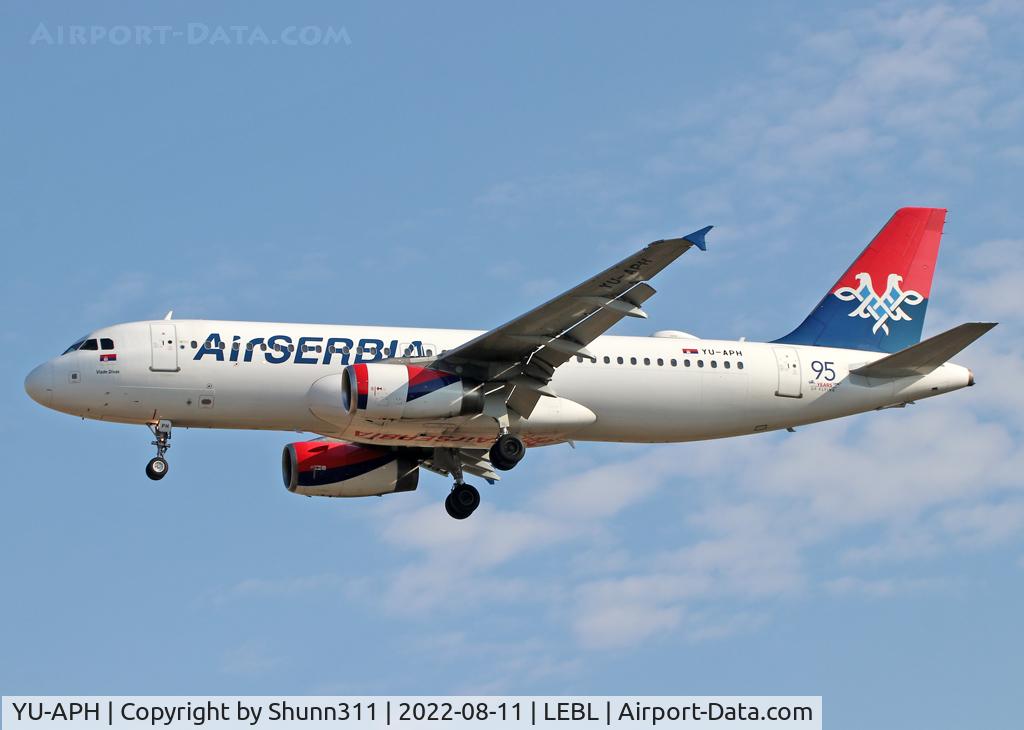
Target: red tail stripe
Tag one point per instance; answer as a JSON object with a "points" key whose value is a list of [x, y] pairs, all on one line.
{"points": [[907, 245]]}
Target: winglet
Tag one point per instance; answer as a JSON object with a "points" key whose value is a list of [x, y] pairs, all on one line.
{"points": [[697, 238]]}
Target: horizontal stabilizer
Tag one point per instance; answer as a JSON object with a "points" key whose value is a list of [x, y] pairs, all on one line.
{"points": [[925, 356]]}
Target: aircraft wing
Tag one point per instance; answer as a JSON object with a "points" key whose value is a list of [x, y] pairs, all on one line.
{"points": [[524, 353]]}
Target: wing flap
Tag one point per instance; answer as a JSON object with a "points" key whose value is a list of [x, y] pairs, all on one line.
{"points": [[927, 355], [472, 461]]}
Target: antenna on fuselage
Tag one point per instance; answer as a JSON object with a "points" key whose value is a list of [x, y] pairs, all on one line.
{"points": [[169, 315]]}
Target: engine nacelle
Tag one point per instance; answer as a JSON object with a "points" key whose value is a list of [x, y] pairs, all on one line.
{"points": [[387, 390], [341, 469]]}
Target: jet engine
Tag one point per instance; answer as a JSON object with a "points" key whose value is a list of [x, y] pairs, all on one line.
{"points": [[340, 469], [388, 390]]}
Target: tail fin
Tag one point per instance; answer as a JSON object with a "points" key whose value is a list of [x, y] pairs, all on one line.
{"points": [[879, 303]]}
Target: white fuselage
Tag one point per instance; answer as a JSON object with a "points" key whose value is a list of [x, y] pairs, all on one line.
{"points": [[632, 393]]}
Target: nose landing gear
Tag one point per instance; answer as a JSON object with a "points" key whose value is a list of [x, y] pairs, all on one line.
{"points": [[157, 467]]}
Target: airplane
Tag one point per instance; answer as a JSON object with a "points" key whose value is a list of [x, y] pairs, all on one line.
{"points": [[386, 402]]}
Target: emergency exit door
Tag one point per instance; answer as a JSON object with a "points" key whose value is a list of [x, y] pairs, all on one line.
{"points": [[164, 342], [789, 372]]}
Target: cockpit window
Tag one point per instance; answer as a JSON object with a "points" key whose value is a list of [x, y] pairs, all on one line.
{"points": [[89, 345], [74, 347], [106, 343]]}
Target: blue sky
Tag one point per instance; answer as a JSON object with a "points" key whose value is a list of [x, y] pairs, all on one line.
{"points": [[453, 165]]}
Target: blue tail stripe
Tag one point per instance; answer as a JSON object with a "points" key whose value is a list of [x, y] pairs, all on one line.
{"points": [[830, 325]]}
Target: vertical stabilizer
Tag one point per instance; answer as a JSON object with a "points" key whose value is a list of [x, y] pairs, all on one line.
{"points": [[879, 303]]}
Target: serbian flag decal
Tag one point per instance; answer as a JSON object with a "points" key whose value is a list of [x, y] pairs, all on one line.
{"points": [[108, 357]]}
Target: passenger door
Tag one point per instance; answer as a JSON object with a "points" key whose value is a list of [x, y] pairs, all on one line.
{"points": [[790, 379], [164, 341]]}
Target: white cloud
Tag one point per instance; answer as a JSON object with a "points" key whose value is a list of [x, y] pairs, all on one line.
{"points": [[508, 664], [985, 524], [267, 588], [250, 658], [848, 585], [1001, 263]]}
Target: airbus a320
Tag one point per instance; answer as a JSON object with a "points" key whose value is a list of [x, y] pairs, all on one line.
{"points": [[386, 402]]}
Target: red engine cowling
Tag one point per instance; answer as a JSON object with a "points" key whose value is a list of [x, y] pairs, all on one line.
{"points": [[388, 390], [341, 469]]}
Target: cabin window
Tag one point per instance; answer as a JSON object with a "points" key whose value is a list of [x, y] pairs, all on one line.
{"points": [[686, 362], [607, 360], [700, 363], [194, 344], [660, 362], [236, 346], [674, 362], [739, 366], [619, 360], [647, 361], [249, 346], [632, 361], [714, 363], [726, 364]]}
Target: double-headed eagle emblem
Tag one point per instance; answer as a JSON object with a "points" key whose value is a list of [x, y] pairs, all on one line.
{"points": [[888, 306]]}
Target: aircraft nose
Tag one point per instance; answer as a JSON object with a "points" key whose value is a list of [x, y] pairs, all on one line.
{"points": [[39, 384]]}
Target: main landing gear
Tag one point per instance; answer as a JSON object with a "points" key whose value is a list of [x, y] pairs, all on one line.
{"points": [[157, 467], [463, 500], [507, 451]]}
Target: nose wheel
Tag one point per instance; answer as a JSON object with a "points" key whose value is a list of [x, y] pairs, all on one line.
{"points": [[157, 467], [507, 451]]}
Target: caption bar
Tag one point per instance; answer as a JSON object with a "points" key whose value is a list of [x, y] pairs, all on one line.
{"points": [[375, 713]]}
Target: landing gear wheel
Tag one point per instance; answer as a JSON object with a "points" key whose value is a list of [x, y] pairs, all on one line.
{"points": [[156, 469], [507, 451], [462, 502]]}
